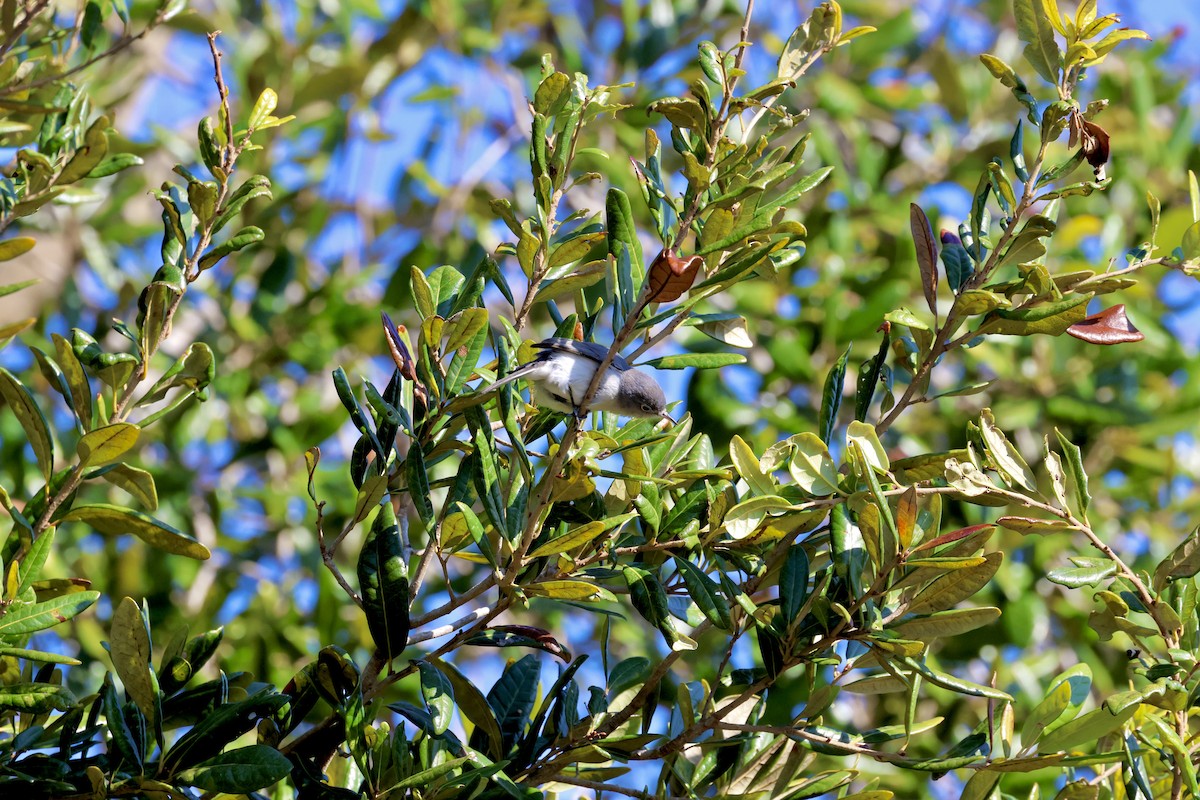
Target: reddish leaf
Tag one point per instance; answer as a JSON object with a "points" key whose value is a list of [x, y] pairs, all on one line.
{"points": [[1110, 326], [671, 276], [922, 233], [520, 636], [952, 536]]}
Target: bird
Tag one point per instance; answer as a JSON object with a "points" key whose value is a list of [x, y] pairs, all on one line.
{"points": [[563, 370]]}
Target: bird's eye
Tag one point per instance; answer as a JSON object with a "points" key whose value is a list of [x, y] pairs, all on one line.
{"points": [[647, 408]]}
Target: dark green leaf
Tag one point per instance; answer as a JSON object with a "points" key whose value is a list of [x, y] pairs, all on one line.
{"points": [[383, 581], [705, 593], [241, 770], [831, 397]]}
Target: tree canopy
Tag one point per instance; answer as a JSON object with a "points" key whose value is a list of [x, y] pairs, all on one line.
{"points": [[920, 290]]}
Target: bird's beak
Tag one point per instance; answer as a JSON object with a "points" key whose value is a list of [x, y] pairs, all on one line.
{"points": [[667, 417]]}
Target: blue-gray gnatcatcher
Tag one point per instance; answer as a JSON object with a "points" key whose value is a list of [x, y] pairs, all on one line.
{"points": [[564, 368]]}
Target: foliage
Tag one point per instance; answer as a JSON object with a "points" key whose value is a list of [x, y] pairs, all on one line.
{"points": [[775, 603]]}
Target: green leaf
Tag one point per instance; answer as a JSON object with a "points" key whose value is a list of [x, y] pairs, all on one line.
{"points": [[1050, 319], [472, 704], [106, 444], [574, 249], [954, 683], [650, 600], [115, 521], [32, 421], [194, 371], [811, 466], [36, 698], [681, 112], [552, 94], [1008, 77], [1078, 577], [512, 697], [438, 694], [129, 648], [1065, 697], [565, 590], [33, 561], [1183, 562], [223, 724], [697, 360], [39, 656], [91, 153], [241, 770], [831, 397], [383, 581], [138, 482], [114, 164], [1091, 726], [728, 329], [946, 623], [1079, 477], [1041, 49], [1033, 525], [418, 485], [624, 247], [863, 434], [705, 593], [902, 316], [13, 288], [957, 263], [747, 465], [263, 107], [793, 584], [21, 620], [587, 275], [243, 238], [576, 537], [1004, 455]]}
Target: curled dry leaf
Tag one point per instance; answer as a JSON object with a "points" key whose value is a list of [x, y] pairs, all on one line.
{"points": [[1110, 326], [1093, 140], [400, 355], [671, 276]]}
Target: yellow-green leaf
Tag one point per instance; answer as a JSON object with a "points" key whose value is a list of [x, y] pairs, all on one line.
{"points": [[16, 246], [30, 416], [115, 521], [138, 482], [129, 648], [106, 444], [947, 623], [564, 590], [951, 589], [575, 537]]}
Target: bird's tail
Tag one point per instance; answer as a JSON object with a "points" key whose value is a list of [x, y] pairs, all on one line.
{"points": [[516, 374]]}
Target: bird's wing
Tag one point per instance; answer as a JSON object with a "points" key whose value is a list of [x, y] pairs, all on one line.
{"points": [[591, 350]]}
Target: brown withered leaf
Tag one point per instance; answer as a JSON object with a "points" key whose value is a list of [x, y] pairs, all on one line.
{"points": [[404, 360], [922, 233], [400, 355], [1094, 141], [671, 276], [1110, 326]]}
